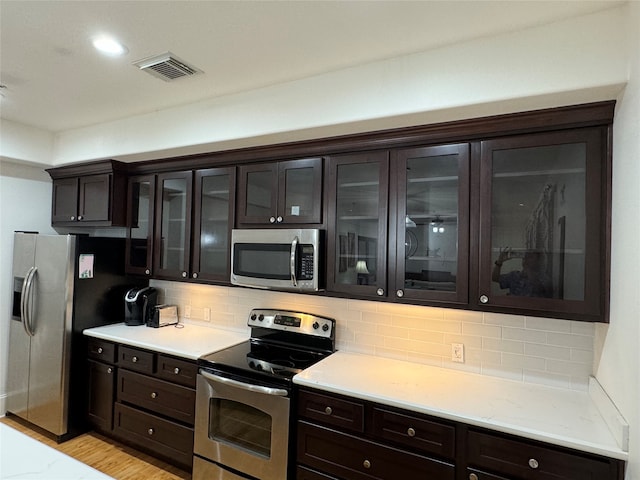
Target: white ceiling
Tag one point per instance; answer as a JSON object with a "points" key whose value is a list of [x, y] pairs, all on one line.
{"points": [[56, 81]]}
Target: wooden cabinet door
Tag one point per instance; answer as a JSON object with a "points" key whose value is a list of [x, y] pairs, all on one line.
{"points": [[102, 381], [540, 224], [94, 198], [357, 196], [258, 194], [214, 210], [300, 191], [140, 220], [173, 225], [431, 221], [64, 208]]}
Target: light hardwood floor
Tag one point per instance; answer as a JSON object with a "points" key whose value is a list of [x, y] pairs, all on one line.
{"points": [[106, 455]]}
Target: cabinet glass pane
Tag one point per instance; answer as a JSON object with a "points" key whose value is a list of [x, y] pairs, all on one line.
{"points": [[538, 221], [431, 223], [357, 224], [299, 192], [174, 201], [214, 224], [259, 185], [139, 228]]}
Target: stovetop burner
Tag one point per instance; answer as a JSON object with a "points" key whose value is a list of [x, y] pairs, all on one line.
{"points": [[282, 344]]}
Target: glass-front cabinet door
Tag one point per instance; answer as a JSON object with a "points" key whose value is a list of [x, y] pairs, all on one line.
{"points": [[357, 224], [173, 225], [432, 224], [213, 221], [541, 223], [139, 254]]}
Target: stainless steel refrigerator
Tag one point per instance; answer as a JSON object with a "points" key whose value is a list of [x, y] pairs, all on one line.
{"points": [[62, 284]]}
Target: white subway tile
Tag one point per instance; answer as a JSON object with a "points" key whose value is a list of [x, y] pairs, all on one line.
{"points": [[502, 319], [481, 330], [547, 351], [569, 340], [548, 324], [500, 345], [524, 335]]}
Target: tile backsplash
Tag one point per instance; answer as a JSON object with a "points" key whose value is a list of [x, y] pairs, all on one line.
{"points": [[546, 351]]}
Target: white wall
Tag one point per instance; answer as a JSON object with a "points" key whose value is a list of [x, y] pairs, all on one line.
{"points": [[25, 204]]}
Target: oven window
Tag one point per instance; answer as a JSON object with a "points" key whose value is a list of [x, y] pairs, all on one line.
{"points": [[240, 425]]}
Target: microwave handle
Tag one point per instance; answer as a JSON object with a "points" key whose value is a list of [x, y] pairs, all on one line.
{"points": [[292, 265]]}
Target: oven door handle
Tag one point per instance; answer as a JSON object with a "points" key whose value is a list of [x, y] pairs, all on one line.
{"points": [[245, 386]]}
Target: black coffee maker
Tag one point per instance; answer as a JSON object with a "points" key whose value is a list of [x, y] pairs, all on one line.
{"points": [[139, 303]]}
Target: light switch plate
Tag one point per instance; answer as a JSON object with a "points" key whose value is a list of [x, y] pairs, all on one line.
{"points": [[457, 352]]}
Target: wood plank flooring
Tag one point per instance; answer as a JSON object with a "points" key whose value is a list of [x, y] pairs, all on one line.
{"points": [[106, 455]]}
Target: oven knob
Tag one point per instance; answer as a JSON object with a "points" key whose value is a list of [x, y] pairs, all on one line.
{"points": [[325, 327], [253, 316], [261, 317], [316, 325]]}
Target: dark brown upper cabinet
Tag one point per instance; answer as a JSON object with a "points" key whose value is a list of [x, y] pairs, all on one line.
{"points": [[214, 209], [280, 193], [140, 222], [430, 215], [357, 224], [542, 224], [93, 194], [172, 240]]}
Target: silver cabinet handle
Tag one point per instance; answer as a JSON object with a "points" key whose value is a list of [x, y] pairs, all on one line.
{"points": [[473, 476], [380, 292], [533, 463], [279, 219], [134, 359], [411, 432], [484, 299], [154, 395], [184, 274], [151, 431], [195, 275], [79, 217], [400, 293], [147, 272], [280, 392], [366, 464], [176, 370], [272, 219], [99, 349], [328, 411], [73, 217], [109, 370]]}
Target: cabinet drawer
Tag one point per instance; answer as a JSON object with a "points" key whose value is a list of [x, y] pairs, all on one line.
{"points": [[178, 371], [101, 350], [135, 359], [303, 473], [157, 395], [330, 410], [347, 456], [413, 431], [171, 440], [473, 474], [519, 459]]}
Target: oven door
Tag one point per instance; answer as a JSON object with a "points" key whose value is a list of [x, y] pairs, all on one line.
{"points": [[241, 426]]}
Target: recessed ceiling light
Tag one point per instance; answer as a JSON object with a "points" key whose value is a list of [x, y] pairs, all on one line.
{"points": [[109, 46]]}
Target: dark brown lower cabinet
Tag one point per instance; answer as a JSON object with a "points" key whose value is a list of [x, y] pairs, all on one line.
{"points": [[102, 382]]}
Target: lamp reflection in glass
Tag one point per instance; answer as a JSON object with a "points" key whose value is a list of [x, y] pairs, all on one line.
{"points": [[437, 225], [408, 222], [363, 272]]}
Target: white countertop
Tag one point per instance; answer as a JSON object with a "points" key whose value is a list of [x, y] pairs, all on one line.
{"points": [[558, 416], [190, 341], [22, 457]]}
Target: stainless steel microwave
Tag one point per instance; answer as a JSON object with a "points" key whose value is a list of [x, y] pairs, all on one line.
{"points": [[277, 259]]}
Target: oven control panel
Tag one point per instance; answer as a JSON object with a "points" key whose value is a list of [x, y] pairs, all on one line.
{"points": [[291, 321]]}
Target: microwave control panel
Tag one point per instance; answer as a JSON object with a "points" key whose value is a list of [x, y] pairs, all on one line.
{"points": [[306, 262]]}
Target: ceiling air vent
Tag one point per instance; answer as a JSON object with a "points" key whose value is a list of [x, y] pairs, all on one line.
{"points": [[167, 67]]}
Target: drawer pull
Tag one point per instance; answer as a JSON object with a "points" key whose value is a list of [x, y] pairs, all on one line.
{"points": [[109, 370], [533, 463], [411, 432], [328, 411], [100, 350], [134, 359], [473, 476], [366, 464], [154, 394], [151, 431], [176, 370]]}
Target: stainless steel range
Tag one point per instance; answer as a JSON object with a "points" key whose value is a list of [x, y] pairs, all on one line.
{"points": [[244, 395]]}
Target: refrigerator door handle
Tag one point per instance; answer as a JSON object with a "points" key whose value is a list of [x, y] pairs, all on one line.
{"points": [[26, 308]]}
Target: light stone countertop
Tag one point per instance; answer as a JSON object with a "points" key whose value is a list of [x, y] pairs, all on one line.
{"points": [[190, 341], [558, 416], [26, 458]]}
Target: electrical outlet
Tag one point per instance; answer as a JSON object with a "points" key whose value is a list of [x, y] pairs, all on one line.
{"points": [[457, 352], [207, 314], [187, 311]]}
